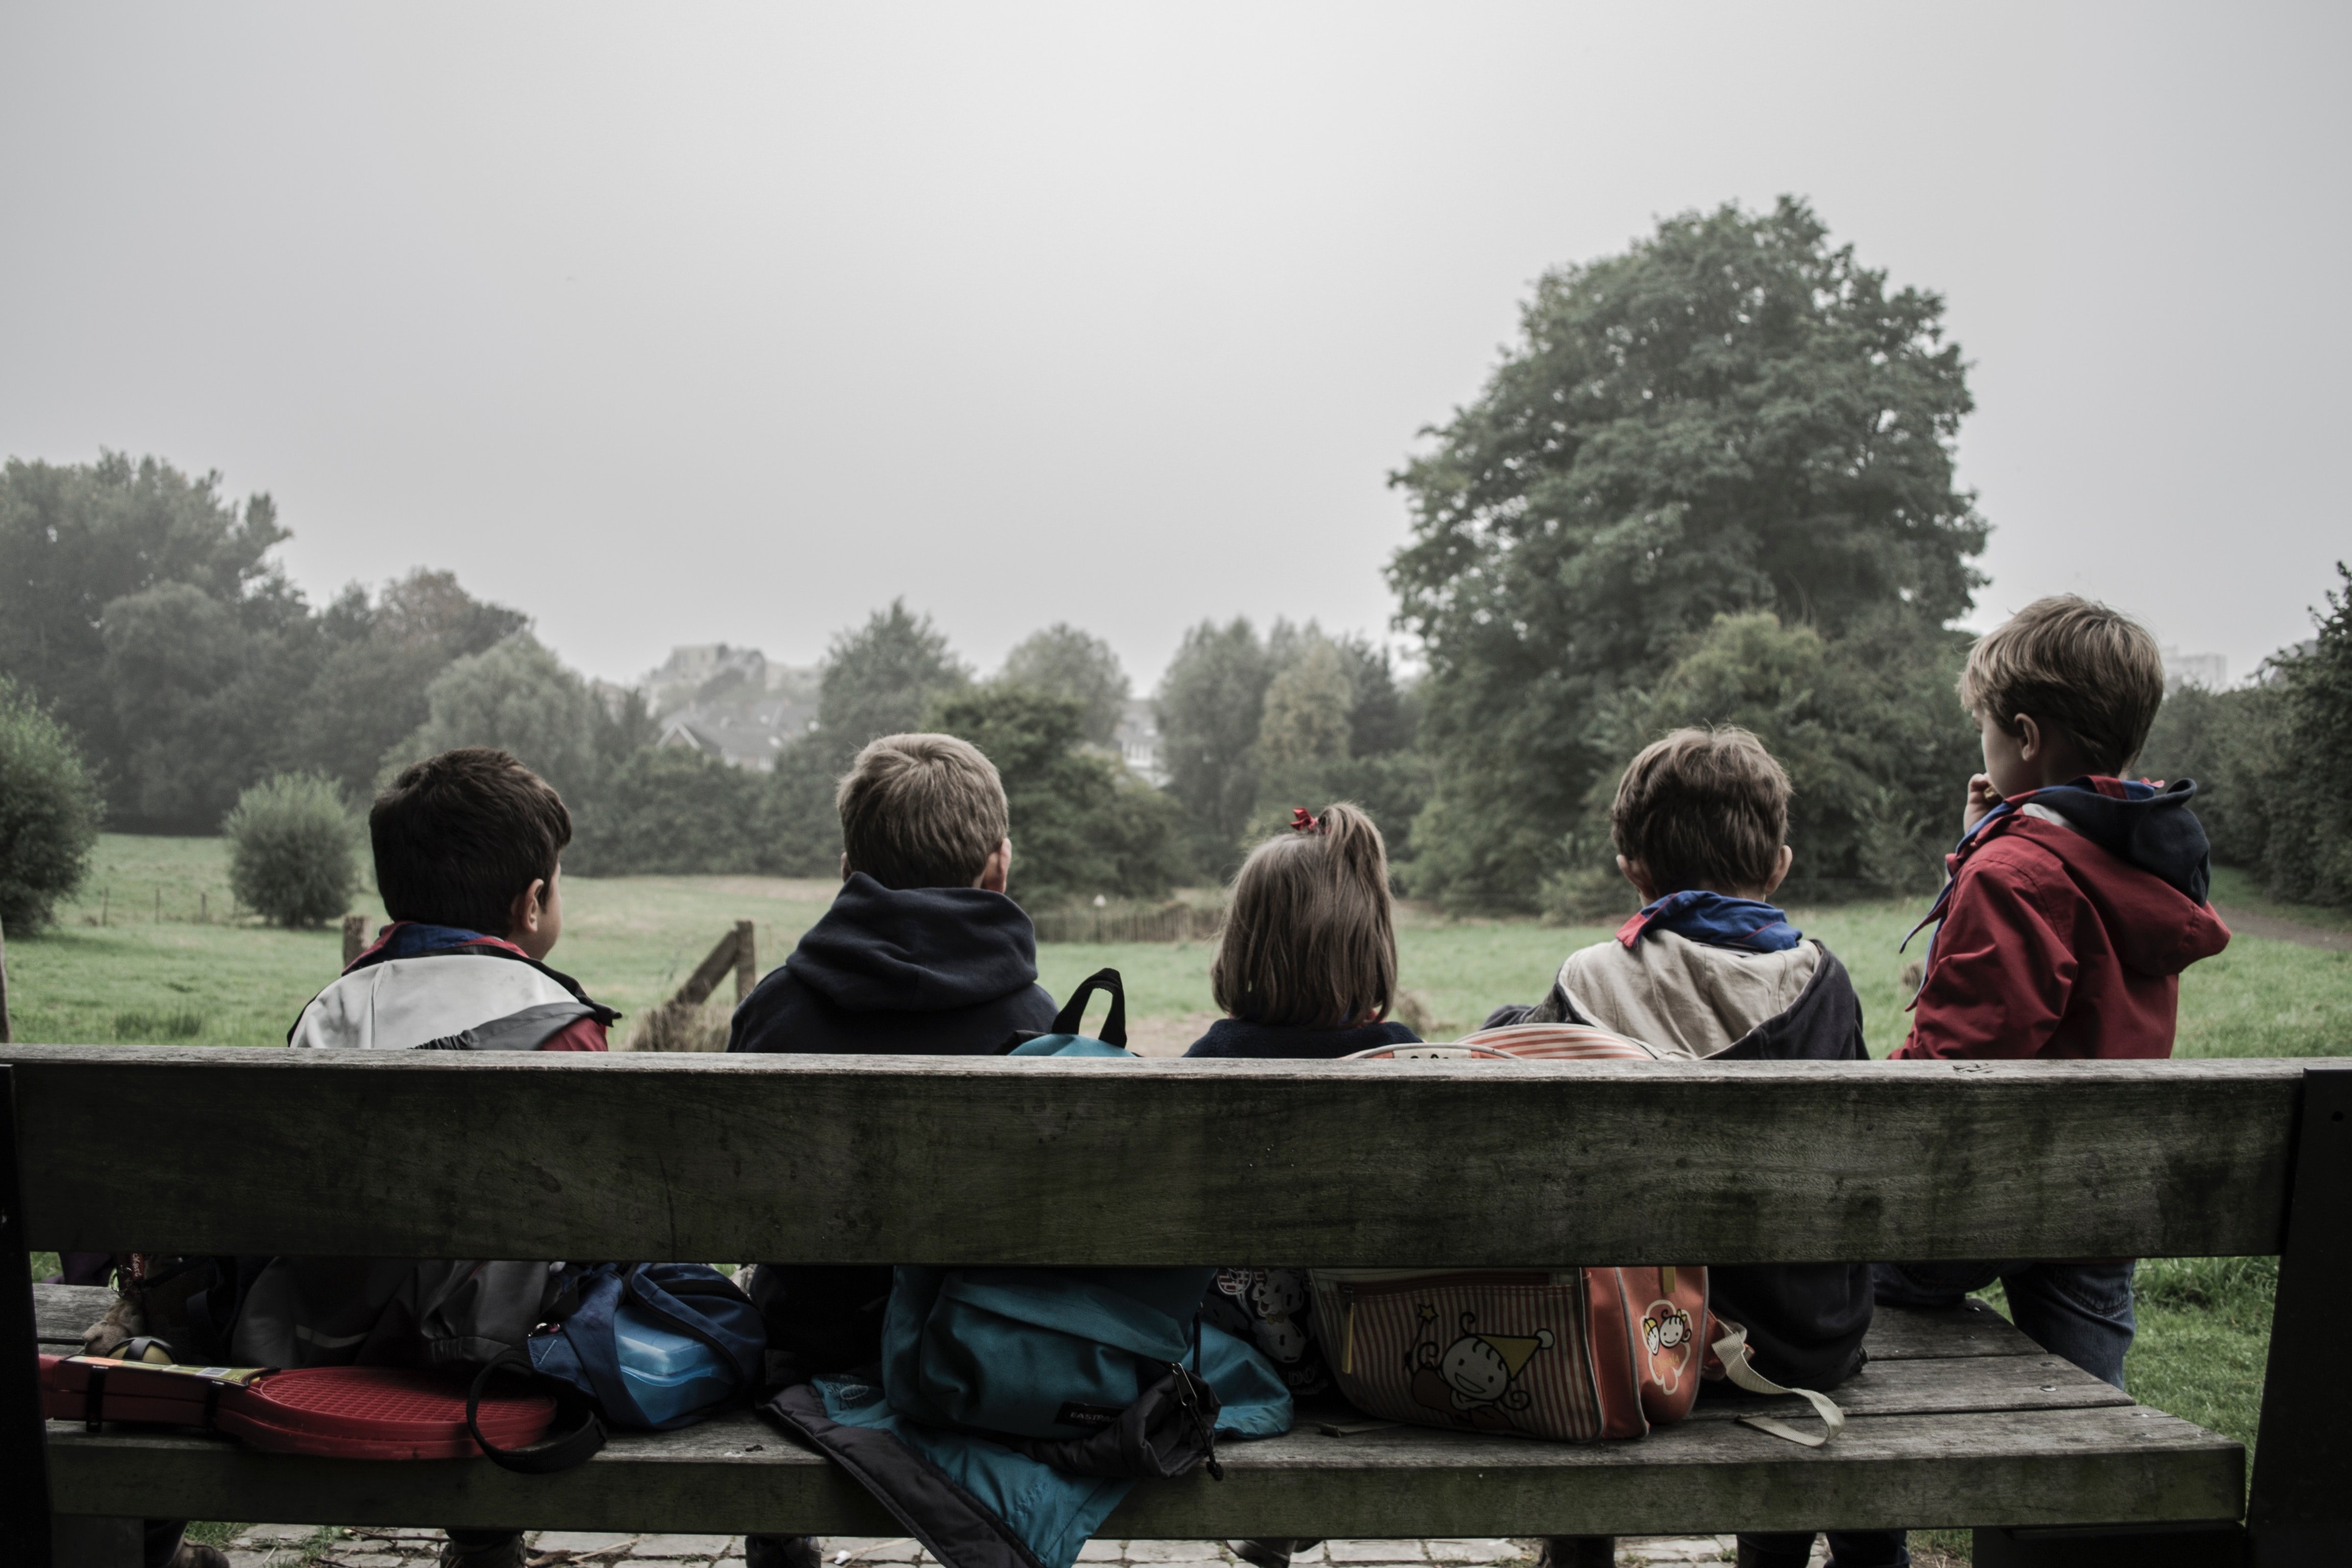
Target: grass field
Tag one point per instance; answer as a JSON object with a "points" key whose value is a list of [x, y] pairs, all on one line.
{"points": [[131, 959]]}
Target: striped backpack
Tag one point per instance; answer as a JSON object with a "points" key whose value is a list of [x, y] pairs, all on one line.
{"points": [[1573, 1354]]}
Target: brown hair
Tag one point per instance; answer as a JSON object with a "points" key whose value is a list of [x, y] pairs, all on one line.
{"points": [[1703, 808], [921, 811], [458, 837], [1310, 935], [2076, 666]]}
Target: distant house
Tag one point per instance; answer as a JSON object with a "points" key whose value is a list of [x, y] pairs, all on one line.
{"points": [[730, 702], [1138, 740]]}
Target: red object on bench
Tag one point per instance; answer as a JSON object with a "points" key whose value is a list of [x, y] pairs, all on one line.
{"points": [[342, 1412]]}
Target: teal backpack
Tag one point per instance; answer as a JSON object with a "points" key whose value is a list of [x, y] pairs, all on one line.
{"points": [[1079, 1367]]}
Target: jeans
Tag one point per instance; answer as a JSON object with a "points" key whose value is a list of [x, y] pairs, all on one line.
{"points": [[2082, 1312], [1848, 1549]]}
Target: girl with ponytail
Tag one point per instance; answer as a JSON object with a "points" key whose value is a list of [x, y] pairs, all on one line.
{"points": [[1307, 965]]}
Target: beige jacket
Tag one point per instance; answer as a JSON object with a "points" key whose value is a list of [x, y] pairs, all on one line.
{"points": [[1684, 997]]}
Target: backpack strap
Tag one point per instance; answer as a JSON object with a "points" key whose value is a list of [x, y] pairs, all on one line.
{"points": [[1732, 1350], [562, 1452], [1068, 1021]]}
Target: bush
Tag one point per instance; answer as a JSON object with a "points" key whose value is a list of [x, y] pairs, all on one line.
{"points": [[50, 811], [290, 842]]}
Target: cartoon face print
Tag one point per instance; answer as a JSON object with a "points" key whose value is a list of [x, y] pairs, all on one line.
{"points": [[1278, 1303], [1480, 1369], [1667, 1328]]}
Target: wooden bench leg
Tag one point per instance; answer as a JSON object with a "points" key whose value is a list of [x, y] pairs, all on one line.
{"points": [[24, 1442], [2219, 1546], [88, 1541]]}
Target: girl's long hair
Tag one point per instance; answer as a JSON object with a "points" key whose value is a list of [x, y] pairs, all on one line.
{"points": [[1310, 931]]}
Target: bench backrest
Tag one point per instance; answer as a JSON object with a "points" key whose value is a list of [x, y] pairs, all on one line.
{"points": [[963, 1160]]}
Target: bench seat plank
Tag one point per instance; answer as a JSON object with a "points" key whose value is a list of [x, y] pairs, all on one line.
{"points": [[2088, 1465], [869, 1159]]}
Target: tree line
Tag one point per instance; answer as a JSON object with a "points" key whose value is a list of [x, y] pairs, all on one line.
{"points": [[1711, 481]]}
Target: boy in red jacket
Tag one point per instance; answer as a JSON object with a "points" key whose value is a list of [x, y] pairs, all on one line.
{"points": [[2074, 902]]}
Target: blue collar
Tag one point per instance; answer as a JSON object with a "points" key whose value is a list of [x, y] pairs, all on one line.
{"points": [[1715, 919]]}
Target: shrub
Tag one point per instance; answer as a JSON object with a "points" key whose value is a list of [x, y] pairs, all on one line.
{"points": [[50, 811], [670, 811], [290, 856]]}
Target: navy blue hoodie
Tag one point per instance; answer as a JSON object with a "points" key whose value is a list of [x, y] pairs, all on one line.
{"points": [[895, 972]]}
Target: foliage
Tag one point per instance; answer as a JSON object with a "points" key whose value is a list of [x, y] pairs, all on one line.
{"points": [[1209, 704], [50, 811], [1391, 789], [291, 858], [1063, 661], [881, 679], [2310, 847], [77, 540], [2269, 762], [517, 696], [1081, 826], [1732, 416], [1307, 709], [671, 810], [370, 692]]}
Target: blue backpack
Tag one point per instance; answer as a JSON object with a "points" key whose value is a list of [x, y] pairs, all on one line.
{"points": [[648, 1345]]}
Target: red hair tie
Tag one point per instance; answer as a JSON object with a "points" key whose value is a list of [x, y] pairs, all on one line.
{"points": [[1304, 821]]}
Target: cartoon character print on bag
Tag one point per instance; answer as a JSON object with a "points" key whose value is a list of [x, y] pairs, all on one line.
{"points": [[1473, 1381], [1273, 1307], [1666, 1331]]}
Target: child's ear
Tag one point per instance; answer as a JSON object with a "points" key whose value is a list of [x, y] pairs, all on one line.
{"points": [[530, 907], [1780, 871], [1639, 875]]}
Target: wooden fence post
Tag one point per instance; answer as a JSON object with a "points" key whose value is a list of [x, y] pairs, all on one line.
{"points": [[747, 965], [4, 1036], [355, 938]]}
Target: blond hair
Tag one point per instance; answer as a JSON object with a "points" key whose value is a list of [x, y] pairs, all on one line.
{"points": [[921, 811], [2073, 665], [1310, 933], [1703, 808]]}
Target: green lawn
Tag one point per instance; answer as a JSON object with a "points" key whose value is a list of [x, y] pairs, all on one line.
{"points": [[2204, 1323]]}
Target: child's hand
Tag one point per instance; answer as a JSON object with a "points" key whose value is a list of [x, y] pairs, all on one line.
{"points": [[1982, 798]]}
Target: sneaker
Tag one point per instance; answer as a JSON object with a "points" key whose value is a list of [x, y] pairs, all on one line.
{"points": [[1273, 1553], [780, 1552], [196, 1554], [503, 1551]]}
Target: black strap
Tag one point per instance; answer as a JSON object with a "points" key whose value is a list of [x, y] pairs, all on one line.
{"points": [[93, 1399], [562, 1452], [1074, 1012]]}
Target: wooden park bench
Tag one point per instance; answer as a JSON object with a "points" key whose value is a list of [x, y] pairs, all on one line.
{"points": [[1958, 1421]]}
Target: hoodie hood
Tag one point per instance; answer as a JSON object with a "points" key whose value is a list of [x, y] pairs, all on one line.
{"points": [[2143, 825], [916, 950]]}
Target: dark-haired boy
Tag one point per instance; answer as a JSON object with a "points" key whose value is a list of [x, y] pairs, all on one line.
{"points": [[469, 860], [2075, 901], [921, 953], [1709, 967]]}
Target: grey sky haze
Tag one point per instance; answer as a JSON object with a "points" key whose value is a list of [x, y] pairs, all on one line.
{"points": [[698, 323]]}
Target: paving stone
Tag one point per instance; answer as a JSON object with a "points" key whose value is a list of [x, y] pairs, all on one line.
{"points": [[251, 1558], [1373, 1551], [1474, 1550], [680, 1546], [368, 1559], [582, 1539], [1173, 1552], [870, 1549], [1102, 1552]]}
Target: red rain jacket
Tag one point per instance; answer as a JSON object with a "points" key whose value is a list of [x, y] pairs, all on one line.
{"points": [[2067, 940]]}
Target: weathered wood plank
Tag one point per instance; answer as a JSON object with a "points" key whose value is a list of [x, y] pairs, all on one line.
{"points": [[63, 1312], [1970, 1328], [1940, 1386], [848, 1159], [2082, 1466]]}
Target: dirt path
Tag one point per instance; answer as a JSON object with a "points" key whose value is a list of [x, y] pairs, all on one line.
{"points": [[2253, 924]]}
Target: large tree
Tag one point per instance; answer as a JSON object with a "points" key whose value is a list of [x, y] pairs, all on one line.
{"points": [[1209, 705], [517, 696], [1063, 661], [1732, 416]]}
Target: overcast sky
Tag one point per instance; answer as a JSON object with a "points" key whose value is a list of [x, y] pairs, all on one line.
{"points": [[695, 323]]}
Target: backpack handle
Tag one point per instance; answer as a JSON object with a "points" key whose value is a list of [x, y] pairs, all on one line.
{"points": [[562, 1452], [1074, 1012]]}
